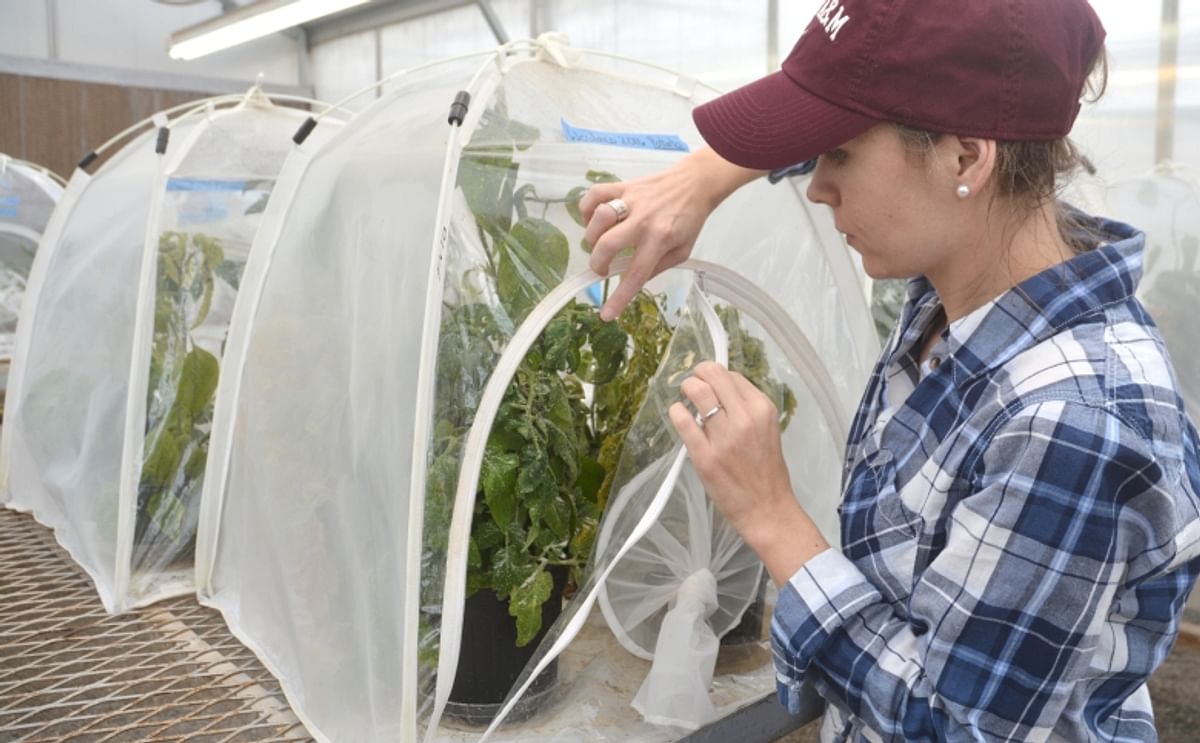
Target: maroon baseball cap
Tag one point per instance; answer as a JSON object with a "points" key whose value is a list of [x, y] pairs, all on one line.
{"points": [[1009, 70]]}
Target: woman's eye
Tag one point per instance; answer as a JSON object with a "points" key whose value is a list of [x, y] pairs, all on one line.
{"points": [[836, 157]]}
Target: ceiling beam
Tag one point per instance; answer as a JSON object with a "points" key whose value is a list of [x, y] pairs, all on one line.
{"points": [[493, 21]]}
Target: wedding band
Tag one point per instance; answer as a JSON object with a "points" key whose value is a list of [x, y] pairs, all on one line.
{"points": [[620, 207], [702, 418]]}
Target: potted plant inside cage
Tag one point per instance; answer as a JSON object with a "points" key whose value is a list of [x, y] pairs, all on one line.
{"points": [[552, 453], [549, 459]]}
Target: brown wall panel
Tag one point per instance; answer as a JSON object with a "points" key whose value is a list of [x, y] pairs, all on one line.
{"points": [[107, 112], [12, 140], [53, 123], [172, 98], [143, 103]]}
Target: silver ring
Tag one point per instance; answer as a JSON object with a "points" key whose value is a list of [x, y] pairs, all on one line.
{"points": [[620, 207], [702, 418]]}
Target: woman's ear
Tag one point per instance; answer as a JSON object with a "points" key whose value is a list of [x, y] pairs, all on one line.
{"points": [[973, 160]]}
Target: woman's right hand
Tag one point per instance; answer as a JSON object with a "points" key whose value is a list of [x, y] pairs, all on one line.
{"points": [[666, 212]]}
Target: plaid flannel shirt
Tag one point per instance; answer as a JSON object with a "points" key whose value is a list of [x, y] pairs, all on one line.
{"points": [[1020, 525]]}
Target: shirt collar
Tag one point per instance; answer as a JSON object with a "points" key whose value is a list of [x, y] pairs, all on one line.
{"points": [[1042, 305]]}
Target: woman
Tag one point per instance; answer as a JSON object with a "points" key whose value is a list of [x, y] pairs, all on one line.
{"points": [[1020, 524]]}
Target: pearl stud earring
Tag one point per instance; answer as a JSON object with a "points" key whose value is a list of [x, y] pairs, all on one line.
{"points": [[963, 191]]}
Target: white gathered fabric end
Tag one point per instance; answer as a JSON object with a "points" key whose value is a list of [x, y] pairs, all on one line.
{"points": [[555, 46], [675, 691]]}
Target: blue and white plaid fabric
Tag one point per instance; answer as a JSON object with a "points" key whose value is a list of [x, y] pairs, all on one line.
{"points": [[1020, 527]]}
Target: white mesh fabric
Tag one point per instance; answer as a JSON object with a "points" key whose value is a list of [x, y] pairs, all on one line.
{"points": [[68, 431], [312, 503], [690, 537], [27, 197], [214, 198], [64, 426]]}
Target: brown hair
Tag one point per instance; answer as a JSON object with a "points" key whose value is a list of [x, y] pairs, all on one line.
{"points": [[1032, 173]]}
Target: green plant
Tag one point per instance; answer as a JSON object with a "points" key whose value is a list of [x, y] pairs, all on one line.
{"points": [[548, 460], [551, 457], [748, 355], [181, 386], [179, 398]]}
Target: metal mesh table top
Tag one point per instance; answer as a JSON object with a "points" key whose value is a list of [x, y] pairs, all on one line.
{"points": [[71, 672]]}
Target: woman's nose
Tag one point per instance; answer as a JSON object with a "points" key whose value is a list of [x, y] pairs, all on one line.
{"points": [[820, 188]]}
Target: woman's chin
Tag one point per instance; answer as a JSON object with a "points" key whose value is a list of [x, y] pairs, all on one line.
{"points": [[876, 269]]}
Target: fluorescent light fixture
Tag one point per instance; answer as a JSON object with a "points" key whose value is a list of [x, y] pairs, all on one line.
{"points": [[250, 22]]}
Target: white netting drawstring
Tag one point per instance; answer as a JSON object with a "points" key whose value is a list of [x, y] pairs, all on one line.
{"points": [[675, 691]]}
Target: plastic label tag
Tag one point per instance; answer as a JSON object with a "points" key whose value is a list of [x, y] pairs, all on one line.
{"points": [[670, 142], [203, 184], [206, 200], [10, 207]]}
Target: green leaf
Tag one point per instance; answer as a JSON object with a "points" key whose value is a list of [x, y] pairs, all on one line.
{"points": [[533, 260], [535, 472], [561, 343], [487, 176], [498, 478], [525, 605], [572, 204], [591, 476], [511, 567], [474, 555], [197, 383], [556, 514], [523, 135], [193, 471], [159, 468], [610, 347], [477, 579], [601, 176], [211, 248], [487, 535], [748, 356], [584, 538]]}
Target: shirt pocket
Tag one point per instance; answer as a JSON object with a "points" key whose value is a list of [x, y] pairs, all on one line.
{"points": [[879, 532], [890, 512]]}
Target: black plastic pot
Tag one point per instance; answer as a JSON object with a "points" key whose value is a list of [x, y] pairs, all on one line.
{"points": [[490, 661], [750, 629]]}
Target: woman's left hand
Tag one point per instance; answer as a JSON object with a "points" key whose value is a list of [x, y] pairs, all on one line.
{"points": [[738, 454]]}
